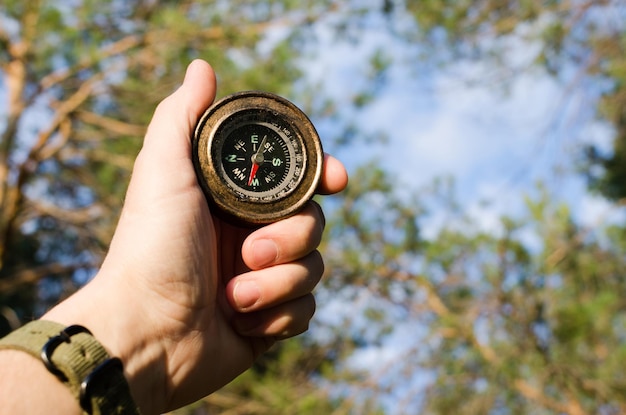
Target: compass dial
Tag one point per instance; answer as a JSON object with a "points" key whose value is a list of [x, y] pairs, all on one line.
{"points": [[260, 162], [258, 157]]}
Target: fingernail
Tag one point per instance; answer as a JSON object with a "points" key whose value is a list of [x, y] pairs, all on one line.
{"points": [[190, 68], [264, 252], [246, 294]]}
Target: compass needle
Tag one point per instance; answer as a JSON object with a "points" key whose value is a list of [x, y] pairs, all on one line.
{"points": [[253, 170], [257, 160]]}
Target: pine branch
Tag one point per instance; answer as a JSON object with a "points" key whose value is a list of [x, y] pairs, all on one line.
{"points": [[110, 124]]}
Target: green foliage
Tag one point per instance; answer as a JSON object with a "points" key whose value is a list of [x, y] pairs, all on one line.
{"points": [[510, 327]]}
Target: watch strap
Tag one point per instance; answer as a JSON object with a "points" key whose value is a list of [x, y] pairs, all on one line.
{"points": [[78, 360]]}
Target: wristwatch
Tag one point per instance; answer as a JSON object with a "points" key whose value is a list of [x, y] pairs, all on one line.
{"points": [[78, 360]]}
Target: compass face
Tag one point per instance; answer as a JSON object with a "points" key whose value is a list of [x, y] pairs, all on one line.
{"points": [[259, 160], [258, 157]]}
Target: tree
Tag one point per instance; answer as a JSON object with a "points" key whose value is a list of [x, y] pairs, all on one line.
{"points": [[511, 326], [499, 325]]}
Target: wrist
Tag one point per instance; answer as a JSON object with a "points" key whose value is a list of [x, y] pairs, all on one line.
{"points": [[112, 321]]}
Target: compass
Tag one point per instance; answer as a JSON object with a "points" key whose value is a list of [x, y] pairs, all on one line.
{"points": [[257, 156]]}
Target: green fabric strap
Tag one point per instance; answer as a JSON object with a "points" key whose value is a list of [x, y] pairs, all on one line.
{"points": [[78, 357]]}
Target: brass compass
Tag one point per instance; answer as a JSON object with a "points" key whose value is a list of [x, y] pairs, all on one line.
{"points": [[257, 156]]}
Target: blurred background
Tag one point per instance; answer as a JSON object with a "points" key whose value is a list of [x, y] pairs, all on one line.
{"points": [[476, 262]]}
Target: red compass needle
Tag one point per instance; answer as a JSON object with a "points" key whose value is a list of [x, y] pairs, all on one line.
{"points": [[253, 170], [257, 160]]}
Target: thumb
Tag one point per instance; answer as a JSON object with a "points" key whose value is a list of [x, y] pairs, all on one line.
{"points": [[176, 116], [164, 162]]}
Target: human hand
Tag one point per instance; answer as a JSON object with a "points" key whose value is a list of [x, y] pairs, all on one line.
{"points": [[185, 300]]}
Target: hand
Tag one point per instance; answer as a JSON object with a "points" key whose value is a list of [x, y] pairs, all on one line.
{"points": [[187, 301]]}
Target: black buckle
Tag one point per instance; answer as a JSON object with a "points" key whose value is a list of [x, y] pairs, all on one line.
{"points": [[63, 337], [86, 384]]}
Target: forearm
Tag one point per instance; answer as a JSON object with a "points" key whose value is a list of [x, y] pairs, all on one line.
{"points": [[26, 387]]}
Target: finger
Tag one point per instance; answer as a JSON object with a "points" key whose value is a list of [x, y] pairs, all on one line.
{"points": [[334, 176], [281, 322], [271, 286], [286, 240]]}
